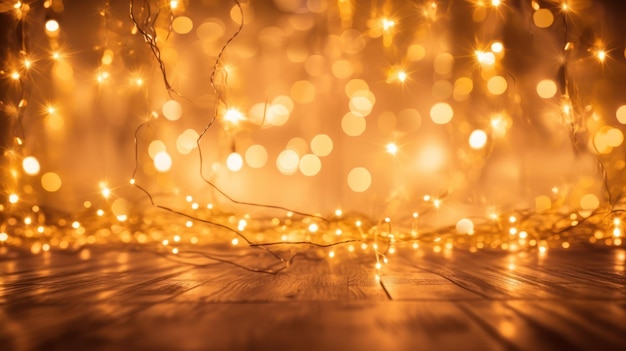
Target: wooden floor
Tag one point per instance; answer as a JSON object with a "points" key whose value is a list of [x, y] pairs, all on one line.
{"points": [[111, 300]]}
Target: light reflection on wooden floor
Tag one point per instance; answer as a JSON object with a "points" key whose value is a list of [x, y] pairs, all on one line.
{"points": [[566, 300]]}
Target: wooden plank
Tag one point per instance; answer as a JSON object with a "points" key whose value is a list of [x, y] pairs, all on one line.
{"points": [[298, 325], [574, 324]]}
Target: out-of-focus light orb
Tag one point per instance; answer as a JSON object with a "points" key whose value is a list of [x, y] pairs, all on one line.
{"points": [[155, 147], [52, 26], [31, 165], [478, 139], [182, 25], [497, 47], [443, 63], [359, 179], [497, 85], [362, 102], [13, 198], [63, 70], [392, 148], [162, 161], [321, 145], [287, 162], [51, 182], [442, 89], [353, 125], [589, 202], [465, 226], [543, 18], [172, 110], [543, 203], [303, 92], [408, 120], [441, 113], [234, 162], [431, 158], [614, 137], [310, 165], [546, 88], [120, 207], [416, 52], [187, 141], [256, 156], [621, 114], [463, 86], [277, 114], [355, 85], [299, 145], [211, 30], [342, 69]]}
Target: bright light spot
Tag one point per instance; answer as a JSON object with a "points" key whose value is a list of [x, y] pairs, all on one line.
{"points": [[13, 198], [392, 148], [106, 192], [313, 227], [331, 254], [499, 125], [52, 26], [4, 237], [496, 3], [233, 116], [30, 165], [162, 161], [235, 241], [478, 139], [485, 58], [387, 23], [601, 55], [15, 75], [173, 4], [234, 162], [497, 47], [402, 76]]}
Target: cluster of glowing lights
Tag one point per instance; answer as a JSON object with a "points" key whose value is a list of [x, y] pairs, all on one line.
{"points": [[307, 156]]}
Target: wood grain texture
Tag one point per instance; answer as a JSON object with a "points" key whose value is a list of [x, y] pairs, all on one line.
{"points": [[574, 300]]}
